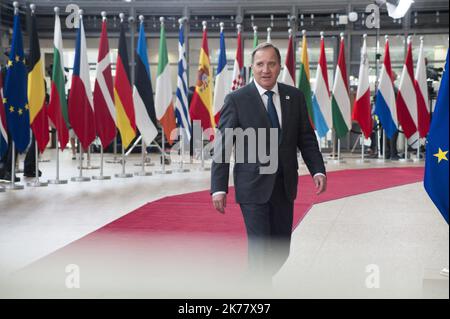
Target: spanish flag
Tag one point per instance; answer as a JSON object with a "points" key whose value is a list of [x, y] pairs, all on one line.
{"points": [[202, 102], [123, 94], [36, 90]]}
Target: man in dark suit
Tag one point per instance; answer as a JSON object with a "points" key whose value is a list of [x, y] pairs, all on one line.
{"points": [[266, 198]]}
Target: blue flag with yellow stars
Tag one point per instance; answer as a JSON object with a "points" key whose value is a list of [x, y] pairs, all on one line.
{"points": [[15, 92], [436, 165]]}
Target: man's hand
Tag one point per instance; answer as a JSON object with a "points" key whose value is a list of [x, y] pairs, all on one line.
{"points": [[220, 202], [321, 184]]}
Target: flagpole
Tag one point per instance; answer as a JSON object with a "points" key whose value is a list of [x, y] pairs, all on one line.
{"points": [[406, 159], [36, 182], [143, 172], [57, 181], [163, 170], [80, 177], [123, 174], [101, 177], [181, 169], [13, 185], [363, 160], [269, 35]]}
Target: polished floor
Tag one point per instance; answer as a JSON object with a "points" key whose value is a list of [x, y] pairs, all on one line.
{"points": [[385, 244]]}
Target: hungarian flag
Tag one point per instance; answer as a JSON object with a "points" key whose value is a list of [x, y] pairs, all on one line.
{"points": [[201, 104], [123, 94], [3, 132], [81, 111], [288, 76], [165, 112], [407, 99], [362, 112], [15, 92], [105, 114], [57, 107], [385, 107], [303, 81], [143, 92], [221, 86], [36, 90], [340, 102], [420, 84], [238, 69], [321, 96]]}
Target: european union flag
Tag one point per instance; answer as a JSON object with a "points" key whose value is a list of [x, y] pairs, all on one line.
{"points": [[436, 166], [15, 92]]}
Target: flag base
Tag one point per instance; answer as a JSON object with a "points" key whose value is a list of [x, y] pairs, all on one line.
{"points": [[384, 160], [124, 175], [89, 167], [362, 161], [101, 178], [182, 170], [404, 160], [80, 179], [165, 172], [143, 174], [57, 181], [37, 184], [146, 164], [418, 160], [114, 161], [338, 162], [14, 187]]}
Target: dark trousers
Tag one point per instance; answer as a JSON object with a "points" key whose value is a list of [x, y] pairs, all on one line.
{"points": [[269, 229], [29, 162]]}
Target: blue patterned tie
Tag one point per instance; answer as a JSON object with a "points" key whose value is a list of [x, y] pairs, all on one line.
{"points": [[272, 111]]}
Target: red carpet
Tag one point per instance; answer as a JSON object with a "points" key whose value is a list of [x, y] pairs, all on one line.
{"points": [[192, 215]]}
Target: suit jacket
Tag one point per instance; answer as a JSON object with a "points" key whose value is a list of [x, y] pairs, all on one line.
{"points": [[245, 109]]}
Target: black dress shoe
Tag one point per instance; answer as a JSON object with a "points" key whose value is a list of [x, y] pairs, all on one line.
{"points": [[32, 174], [7, 177]]}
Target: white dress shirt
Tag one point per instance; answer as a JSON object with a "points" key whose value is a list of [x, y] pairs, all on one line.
{"points": [[276, 99]]}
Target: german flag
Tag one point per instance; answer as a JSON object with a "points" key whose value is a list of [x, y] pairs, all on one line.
{"points": [[36, 90], [123, 94]]}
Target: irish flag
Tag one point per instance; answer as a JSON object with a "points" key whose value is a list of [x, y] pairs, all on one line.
{"points": [[165, 112], [303, 81], [362, 112], [340, 104], [57, 107], [288, 76]]}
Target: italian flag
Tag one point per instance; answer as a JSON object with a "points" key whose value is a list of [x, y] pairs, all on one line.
{"points": [[57, 107], [165, 112], [340, 104]]}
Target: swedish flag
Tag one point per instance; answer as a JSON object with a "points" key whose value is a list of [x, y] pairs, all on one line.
{"points": [[15, 92], [436, 179]]}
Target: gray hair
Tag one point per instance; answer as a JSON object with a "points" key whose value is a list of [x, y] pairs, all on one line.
{"points": [[264, 46]]}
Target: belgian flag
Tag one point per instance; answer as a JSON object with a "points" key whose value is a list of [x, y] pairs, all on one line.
{"points": [[36, 90]]}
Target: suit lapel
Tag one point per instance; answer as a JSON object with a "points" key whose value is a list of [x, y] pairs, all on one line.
{"points": [[285, 101]]}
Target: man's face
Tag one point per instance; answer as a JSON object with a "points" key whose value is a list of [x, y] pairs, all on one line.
{"points": [[266, 68]]}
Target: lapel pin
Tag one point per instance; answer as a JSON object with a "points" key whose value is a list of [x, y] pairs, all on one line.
{"points": [[288, 97]]}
